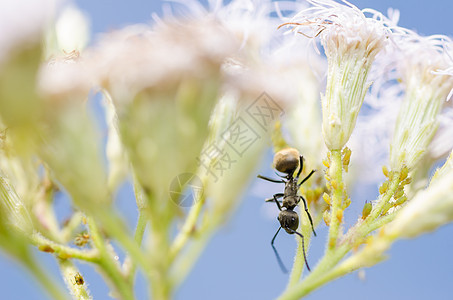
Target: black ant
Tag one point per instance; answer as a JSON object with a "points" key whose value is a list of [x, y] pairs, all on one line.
{"points": [[287, 161]]}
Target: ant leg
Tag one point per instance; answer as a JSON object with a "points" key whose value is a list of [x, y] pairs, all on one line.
{"points": [[303, 246], [306, 178], [308, 214], [270, 179], [279, 260], [276, 196], [272, 200], [279, 195], [301, 159]]}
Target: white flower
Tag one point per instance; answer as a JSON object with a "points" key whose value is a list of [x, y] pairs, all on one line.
{"points": [[297, 71], [138, 57], [22, 23], [65, 77], [351, 41], [163, 81], [416, 61], [248, 20], [371, 139], [71, 32]]}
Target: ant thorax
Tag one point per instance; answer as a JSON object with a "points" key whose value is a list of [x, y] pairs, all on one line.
{"points": [[291, 198]]}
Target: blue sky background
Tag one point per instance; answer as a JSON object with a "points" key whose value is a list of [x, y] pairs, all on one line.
{"points": [[239, 263]]}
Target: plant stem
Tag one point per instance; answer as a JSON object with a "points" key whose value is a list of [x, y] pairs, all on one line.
{"points": [[327, 269], [336, 177], [68, 230], [129, 267], [160, 280], [115, 227], [188, 229], [63, 251], [299, 261], [316, 278], [69, 272], [393, 185], [108, 264]]}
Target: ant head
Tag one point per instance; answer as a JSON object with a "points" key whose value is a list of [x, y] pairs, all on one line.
{"points": [[289, 219], [286, 160]]}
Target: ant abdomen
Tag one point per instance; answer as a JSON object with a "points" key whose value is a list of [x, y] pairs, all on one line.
{"points": [[286, 160]]}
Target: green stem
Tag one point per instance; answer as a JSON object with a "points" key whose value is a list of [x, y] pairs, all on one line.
{"points": [[380, 222], [108, 264], [68, 230], [352, 263], [316, 278], [79, 290], [299, 261], [115, 227], [161, 283], [63, 251], [129, 266], [336, 177], [326, 270], [188, 229], [385, 198]]}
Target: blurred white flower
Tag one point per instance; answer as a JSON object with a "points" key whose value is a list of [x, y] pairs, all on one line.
{"points": [[303, 116], [71, 32], [22, 23], [351, 41], [248, 20], [164, 82], [416, 61], [14, 208], [138, 57], [64, 78], [22, 26], [116, 155]]}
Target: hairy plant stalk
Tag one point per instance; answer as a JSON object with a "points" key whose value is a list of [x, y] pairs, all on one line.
{"points": [[190, 226], [62, 251], [329, 267], [336, 212], [313, 279], [394, 181], [161, 282], [129, 266], [75, 284], [108, 264], [299, 261]]}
